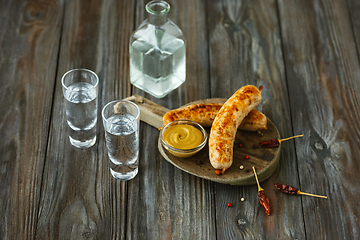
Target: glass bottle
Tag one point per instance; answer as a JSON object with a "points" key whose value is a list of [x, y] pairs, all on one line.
{"points": [[157, 53]]}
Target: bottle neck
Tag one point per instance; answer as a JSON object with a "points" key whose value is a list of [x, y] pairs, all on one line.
{"points": [[157, 12], [157, 19]]}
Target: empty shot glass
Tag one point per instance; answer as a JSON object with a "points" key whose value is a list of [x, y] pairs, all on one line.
{"points": [[80, 89], [121, 119]]}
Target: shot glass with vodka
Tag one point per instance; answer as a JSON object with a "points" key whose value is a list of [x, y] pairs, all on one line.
{"points": [[121, 119], [80, 89]]}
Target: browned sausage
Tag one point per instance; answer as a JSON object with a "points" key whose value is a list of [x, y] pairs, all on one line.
{"points": [[226, 122], [205, 114]]}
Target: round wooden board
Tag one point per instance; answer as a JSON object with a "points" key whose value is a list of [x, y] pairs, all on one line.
{"points": [[264, 160]]}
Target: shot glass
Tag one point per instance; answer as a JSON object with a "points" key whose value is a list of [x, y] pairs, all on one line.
{"points": [[80, 89], [121, 119]]}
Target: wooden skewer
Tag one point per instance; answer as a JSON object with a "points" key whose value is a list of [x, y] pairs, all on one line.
{"points": [[309, 194], [257, 181], [281, 140]]}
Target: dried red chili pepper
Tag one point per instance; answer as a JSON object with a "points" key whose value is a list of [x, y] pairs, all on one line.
{"points": [[273, 143], [263, 199], [270, 143], [286, 189], [293, 190]]}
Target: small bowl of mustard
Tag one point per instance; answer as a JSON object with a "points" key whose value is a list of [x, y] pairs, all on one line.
{"points": [[183, 138]]}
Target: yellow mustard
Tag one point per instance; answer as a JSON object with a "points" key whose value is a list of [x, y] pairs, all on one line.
{"points": [[183, 136]]}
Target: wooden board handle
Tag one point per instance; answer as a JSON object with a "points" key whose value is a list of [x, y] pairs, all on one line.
{"points": [[150, 112]]}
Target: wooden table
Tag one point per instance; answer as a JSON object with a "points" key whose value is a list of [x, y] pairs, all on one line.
{"points": [[305, 53]]}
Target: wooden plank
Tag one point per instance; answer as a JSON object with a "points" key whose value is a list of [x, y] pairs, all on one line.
{"points": [[354, 12], [323, 74], [245, 48], [165, 202], [80, 198], [29, 43], [150, 112]]}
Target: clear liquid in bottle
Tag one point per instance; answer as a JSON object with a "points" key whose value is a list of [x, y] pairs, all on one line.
{"points": [[157, 58]]}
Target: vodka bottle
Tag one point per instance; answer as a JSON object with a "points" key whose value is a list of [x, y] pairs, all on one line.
{"points": [[157, 53]]}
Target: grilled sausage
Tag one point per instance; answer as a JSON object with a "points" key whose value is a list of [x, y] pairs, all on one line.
{"points": [[226, 122], [204, 114]]}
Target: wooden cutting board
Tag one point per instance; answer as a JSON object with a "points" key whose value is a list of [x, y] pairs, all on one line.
{"points": [[264, 160]]}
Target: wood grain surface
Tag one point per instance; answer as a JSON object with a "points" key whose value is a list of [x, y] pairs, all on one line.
{"points": [[80, 199], [323, 73], [29, 40], [305, 53], [248, 34]]}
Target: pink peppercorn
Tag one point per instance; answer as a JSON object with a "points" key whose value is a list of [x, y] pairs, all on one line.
{"points": [[246, 157], [240, 145], [229, 204]]}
